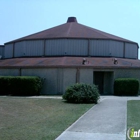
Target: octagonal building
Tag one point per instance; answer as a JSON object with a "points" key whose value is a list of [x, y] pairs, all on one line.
{"points": [[71, 53]]}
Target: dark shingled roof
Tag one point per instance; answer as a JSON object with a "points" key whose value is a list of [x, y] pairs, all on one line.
{"points": [[92, 62], [72, 29]]}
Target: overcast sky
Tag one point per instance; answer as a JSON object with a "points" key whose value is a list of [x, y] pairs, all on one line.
{"points": [[19, 18]]}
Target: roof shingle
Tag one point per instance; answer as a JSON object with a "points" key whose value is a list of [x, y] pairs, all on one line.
{"points": [[72, 29], [92, 62]]}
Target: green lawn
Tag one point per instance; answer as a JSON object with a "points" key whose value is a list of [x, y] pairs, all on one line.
{"points": [[133, 115], [36, 119]]}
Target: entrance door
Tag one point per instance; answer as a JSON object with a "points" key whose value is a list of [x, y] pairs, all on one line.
{"points": [[104, 81], [99, 81]]}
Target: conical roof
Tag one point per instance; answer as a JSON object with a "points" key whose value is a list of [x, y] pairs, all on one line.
{"points": [[72, 29]]}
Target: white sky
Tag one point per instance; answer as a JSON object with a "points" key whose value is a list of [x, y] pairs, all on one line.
{"points": [[19, 18]]}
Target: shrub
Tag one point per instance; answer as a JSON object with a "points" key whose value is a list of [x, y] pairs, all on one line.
{"points": [[20, 85], [126, 86], [81, 93], [4, 85]]}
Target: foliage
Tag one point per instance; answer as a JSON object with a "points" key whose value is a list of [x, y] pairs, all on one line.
{"points": [[82, 93], [20, 85], [126, 86]]}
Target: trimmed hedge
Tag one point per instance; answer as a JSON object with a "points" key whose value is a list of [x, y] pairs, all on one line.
{"points": [[20, 85], [126, 86], [82, 93]]}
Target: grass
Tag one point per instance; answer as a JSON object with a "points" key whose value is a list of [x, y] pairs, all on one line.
{"points": [[36, 119], [133, 115]]}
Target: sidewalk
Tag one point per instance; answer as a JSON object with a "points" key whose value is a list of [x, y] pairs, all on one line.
{"points": [[106, 120]]}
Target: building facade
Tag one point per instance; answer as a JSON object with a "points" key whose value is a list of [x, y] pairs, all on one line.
{"points": [[71, 53]]}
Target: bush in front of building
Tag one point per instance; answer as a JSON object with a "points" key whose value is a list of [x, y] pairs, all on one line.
{"points": [[126, 87], [4, 85], [20, 85], [82, 93]]}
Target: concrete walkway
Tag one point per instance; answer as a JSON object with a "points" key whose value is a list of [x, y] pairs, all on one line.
{"points": [[104, 121]]}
